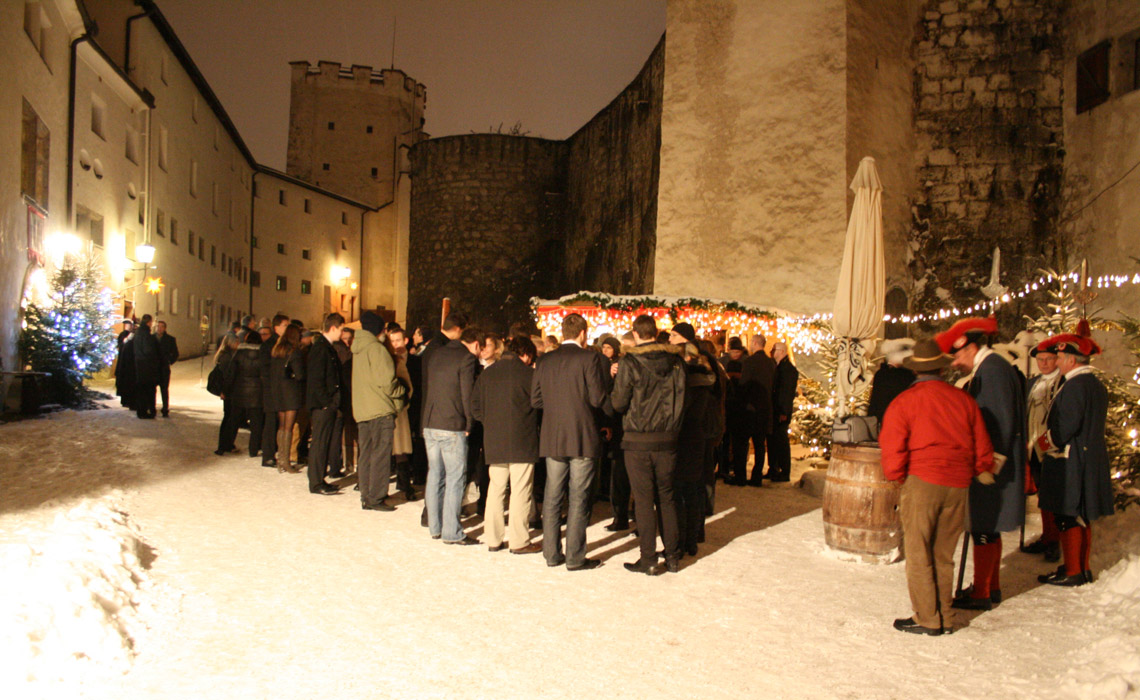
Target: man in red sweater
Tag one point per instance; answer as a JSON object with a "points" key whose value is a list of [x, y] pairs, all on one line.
{"points": [[934, 441]]}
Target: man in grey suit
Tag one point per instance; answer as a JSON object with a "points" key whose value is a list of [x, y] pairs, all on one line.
{"points": [[569, 385]]}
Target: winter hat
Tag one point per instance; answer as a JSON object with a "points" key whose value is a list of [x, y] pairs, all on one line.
{"points": [[614, 344], [372, 323], [686, 331]]}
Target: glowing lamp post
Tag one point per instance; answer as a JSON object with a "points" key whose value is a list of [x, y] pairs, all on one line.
{"points": [[145, 254]]}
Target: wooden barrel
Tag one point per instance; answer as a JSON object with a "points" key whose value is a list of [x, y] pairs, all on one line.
{"points": [[860, 507]]}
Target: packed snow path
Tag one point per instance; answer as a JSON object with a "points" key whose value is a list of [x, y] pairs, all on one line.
{"points": [[247, 586]]}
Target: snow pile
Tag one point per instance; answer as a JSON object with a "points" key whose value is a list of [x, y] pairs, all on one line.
{"points": [[1110, 667], [69, 596]]}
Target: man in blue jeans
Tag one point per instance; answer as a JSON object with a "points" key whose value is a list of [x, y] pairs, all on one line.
{"points": [[569, 386], [448, 377]]}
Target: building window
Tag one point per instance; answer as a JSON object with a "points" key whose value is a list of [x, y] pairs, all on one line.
{"points": [[160, 223], [281, 197], [281, 248], [332, 125], [306, 287], [35, 142], [193, 178], [202, 249], [282, 283], [174, 301], [308, 206], [98, 116], [324, 166], [190, 241], [223, 262], [1092, 77], [174, 230], [190, 307], [344, 244], [375, 172], [213, 255], [253, 242], [306, 254], [132, 144], [36, 24], [368, 129], [89, 224], [163, 143], [254, 278], [344, 217]]}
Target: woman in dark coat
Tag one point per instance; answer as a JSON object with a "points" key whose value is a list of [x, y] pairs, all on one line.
{"points": [[125, 370], [287, 388], [242, 387], [698, 429], [224, 360]]}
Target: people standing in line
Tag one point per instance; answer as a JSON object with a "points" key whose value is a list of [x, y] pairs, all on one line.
{"points": [[694, 444], [999, 506], [613, 459], [449, 375], [269, 404], [242, 388], [168, 347], [934, 440], [287, 387], [402, 435], [757, 375], [891, 379], [342, 454], [1042, 390], [377, 397], [501, 402], [649, 390], [569, 386], [322, 397], [148, 369], [783, 406], [473, 339], [231, 415], [125, 367], [299, 447], [1076, 481]]}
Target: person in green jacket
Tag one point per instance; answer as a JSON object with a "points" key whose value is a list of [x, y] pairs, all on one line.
{"points": [[377, 396]]}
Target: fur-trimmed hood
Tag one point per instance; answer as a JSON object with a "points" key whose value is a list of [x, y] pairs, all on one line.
{"points": [[654, 347]]}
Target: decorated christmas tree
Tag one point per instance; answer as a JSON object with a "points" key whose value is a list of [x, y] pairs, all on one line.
{"points": [[70, 336], [1060, 314]]}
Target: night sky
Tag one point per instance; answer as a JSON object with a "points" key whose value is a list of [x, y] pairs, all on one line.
{"points": [[549, 64]]}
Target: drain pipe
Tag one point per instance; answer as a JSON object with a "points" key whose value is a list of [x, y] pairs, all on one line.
{"points": [[73, 60], [252, 235]]}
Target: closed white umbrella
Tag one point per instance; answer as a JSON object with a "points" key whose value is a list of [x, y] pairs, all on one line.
{"points": [[862, 284]]}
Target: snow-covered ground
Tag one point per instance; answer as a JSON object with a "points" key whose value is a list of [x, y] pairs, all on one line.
{"points": [[137, 564]]}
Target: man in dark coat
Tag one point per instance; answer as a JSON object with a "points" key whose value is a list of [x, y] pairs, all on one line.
{"points": [[649, 390], [342, 455], [269, 405], [736, 432], [168, 351], [891, 379], [757, 375], [125, 367], [148, 370], [449, 376], [783, 405], [569, 385], [1039, 397], [1076, 484], [322, 396], [501, 402], [999, 506]]}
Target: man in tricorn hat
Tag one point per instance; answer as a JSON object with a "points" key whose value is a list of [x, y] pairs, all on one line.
{"points": [[934, 440], [1040, 393], [999, 506], [1076, 485]]}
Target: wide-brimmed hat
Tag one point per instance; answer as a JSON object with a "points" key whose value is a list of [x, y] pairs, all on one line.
{"points": [[927, 357]]}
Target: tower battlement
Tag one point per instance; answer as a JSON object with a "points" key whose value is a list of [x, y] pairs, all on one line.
{"points": [[333, 74]]}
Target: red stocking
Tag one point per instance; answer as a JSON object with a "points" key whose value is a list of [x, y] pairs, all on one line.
{"points": [[984, 560], [1086, 546], [1071, 548], [995, 576], [1049, 531]]}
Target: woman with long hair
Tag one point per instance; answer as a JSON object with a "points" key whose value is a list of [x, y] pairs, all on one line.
{"points": [[287, 383], [227, 431]]}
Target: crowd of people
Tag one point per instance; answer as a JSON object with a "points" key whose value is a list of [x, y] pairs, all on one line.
{"points": [[648, 422], [968, 457], [142, 366]]}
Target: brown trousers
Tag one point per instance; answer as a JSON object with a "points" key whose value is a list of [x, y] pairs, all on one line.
{"points": [[932, 520]]}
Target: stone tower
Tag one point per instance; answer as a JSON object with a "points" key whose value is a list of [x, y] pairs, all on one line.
{"points": [[348, 127]]}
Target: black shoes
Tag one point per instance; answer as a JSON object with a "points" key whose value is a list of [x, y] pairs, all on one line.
{"points": [[559, 561], [643, 566], [269, 463], [672, 565], [379, 505], [410, 495], [466, 541], [967, 601], [586, 565], [325, 490], [618, 526], [497, 548], [219, 452], [909, 625], [1060, 578]]}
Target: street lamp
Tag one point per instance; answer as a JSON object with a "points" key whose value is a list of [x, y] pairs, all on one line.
{"points": [[144, 253]]}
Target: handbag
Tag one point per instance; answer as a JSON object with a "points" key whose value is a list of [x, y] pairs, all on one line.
{"points": [[215, 381], [855, 429]]}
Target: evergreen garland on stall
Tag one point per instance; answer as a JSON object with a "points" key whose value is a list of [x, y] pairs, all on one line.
{"points": [[1060, 314], [71, 336]]}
